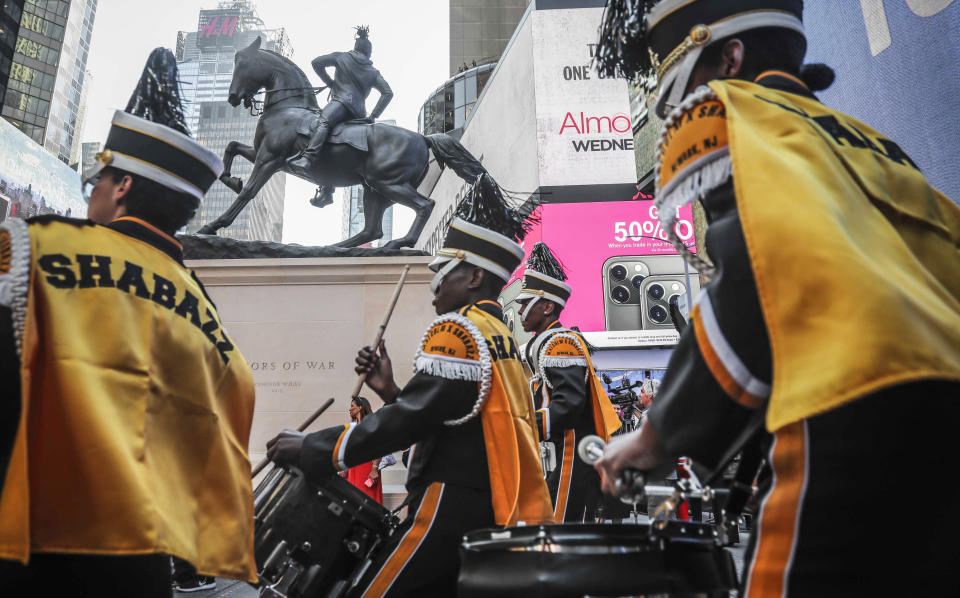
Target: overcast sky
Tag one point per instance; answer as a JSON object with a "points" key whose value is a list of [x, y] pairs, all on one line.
{"points": [[410, 47]]}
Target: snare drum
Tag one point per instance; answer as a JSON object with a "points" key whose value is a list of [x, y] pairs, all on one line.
{"points": [[577, 560], [314, 540]]}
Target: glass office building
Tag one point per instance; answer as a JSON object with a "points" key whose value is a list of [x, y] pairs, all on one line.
{"points": [[448, 107], [88, 155], [47, 74], [205, 60], [479, 31], [11, 12]]}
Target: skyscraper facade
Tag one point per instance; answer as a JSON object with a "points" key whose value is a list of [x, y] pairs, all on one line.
{"points": [[205, 60], [480, 30], [47, 75], [10, 13], [88, 155]]}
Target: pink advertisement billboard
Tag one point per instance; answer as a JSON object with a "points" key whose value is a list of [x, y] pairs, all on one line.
{"points": [[623, 271]]}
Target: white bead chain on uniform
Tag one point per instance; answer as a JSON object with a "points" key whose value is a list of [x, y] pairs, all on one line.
{"points": [[19, 281]]}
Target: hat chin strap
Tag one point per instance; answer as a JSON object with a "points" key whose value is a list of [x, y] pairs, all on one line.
{"points": [[442, 273], [676, 83], [526, 310]]}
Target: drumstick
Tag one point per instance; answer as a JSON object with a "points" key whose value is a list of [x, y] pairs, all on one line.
{"points": [[383, 326], [362, 378], [306, 423]]}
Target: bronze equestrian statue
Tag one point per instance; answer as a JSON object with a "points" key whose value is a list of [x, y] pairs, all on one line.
{"points": [[294, 136]]}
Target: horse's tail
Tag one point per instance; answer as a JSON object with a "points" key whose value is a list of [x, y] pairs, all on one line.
{"points": [[449, 152]]}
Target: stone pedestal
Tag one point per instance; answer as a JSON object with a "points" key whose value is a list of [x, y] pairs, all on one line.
{"points": [[299, 323]]}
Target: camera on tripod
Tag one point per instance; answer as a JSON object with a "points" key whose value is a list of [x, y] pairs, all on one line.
{"points": [[622, 394]]}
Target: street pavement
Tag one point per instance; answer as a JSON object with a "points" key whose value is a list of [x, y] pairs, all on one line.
{"points": [[240, 589]]}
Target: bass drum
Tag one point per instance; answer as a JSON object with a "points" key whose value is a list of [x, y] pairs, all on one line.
{"points": [[314, 540], [578, 560]]}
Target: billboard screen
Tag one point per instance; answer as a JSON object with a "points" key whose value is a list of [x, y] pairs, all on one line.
{"points": [[583, 120], [217, 28], [33, 181], [592, 216], [622, 270]]}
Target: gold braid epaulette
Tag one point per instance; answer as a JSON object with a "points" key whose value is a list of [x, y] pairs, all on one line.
{"points": [[699, 35]]}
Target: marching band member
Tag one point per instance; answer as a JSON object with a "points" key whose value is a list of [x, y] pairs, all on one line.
{"points": [[125, 408], [833, 309], [466, 411], [567, 393]]}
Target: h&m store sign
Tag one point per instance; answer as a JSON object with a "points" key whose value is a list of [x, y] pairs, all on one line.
{"points": [[217, 27]]}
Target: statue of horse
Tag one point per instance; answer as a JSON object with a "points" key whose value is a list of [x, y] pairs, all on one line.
{"points": [[390, 170]]}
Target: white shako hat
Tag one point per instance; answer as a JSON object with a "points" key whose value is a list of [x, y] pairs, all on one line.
{"points": [[543, 279], [151, 139], [484, 232], [666, 37]]}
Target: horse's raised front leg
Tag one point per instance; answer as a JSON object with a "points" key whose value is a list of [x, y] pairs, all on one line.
{"points": [[262, 171], [235, 148]]}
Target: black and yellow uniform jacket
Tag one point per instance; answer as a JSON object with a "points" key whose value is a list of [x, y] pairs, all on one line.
{"points": [[467, 413], [835, 264], [125, 406], [566, 391]]}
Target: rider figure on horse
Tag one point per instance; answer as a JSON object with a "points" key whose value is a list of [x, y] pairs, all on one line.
{"points": [[351, 84]]}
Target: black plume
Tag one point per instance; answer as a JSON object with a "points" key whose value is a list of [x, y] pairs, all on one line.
{"points": [[543, 261], [363, 31], [676, 316], [622, 47], [485, 205], [817, 76], [157, 95]]}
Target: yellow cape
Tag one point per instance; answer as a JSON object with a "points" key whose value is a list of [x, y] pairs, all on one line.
{"points": [[856, 256]]}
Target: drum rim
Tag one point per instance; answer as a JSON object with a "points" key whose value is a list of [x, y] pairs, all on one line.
{"points": [[524, 545], [588, 538]]}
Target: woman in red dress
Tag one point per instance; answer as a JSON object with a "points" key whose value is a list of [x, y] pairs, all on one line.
{"points": [[365, 476]]}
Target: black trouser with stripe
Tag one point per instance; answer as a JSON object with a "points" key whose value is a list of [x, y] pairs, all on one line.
{"points": [[864, 500], [422, 558], [574, 485], [88, 576]]}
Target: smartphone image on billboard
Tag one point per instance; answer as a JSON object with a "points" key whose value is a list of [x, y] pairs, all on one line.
{"points": [[655, 296], [637, 291]]}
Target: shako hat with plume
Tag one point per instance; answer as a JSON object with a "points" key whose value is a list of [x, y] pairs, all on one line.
{"points": [[543, 279], [643, 38], [151, 139], [485, 231]]}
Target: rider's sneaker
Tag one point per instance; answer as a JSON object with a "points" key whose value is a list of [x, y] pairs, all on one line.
{"points": [[196, 584]]}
